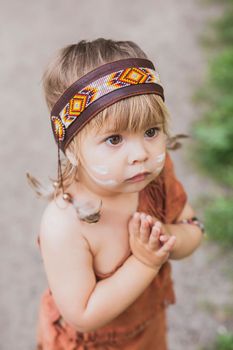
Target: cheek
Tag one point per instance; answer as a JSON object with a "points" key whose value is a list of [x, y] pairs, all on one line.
{"points": [[159, 162], [93, 159], [103, 163], [100, 169], [159, 152], [159, 158], [159, 169], [103, 175]]}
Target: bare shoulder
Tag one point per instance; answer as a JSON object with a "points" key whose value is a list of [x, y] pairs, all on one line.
{"points": [[59, 222], [61, 234], [59, 212], [67, 260], [56, 212]]}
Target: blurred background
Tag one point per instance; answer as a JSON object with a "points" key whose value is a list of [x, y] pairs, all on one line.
{"points": [[191, 43]]}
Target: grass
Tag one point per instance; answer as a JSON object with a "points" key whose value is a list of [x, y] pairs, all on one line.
{"points": [[222, 342], [213, 132]]}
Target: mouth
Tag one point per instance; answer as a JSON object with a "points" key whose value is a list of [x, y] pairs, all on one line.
{"points": [[138, 177]]}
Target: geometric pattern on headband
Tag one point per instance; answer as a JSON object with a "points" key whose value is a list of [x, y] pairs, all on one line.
{"points": [[95, 90]]}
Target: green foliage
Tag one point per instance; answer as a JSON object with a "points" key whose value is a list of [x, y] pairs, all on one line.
{"points": [[224, 27], [214, 133], [221, 72], [219, 32], [214, 146], [219, 221], [224, 342]]}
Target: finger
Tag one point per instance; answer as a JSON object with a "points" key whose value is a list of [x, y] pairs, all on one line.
{"points": [[158, 226], [135, 224], [167, 247], [150, 220], [144, 229], [154, 220], [163, 238], [163, 230], [153, 241]]}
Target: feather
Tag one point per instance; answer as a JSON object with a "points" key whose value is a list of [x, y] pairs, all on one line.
{"points": [[88, 211], [41, 191], [173, 143]]}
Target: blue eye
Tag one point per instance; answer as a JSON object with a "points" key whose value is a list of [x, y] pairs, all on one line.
{"points": [[152, 132], [114, 139]]}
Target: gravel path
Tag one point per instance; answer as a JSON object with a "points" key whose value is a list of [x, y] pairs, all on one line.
{"points": [[30, 33]]}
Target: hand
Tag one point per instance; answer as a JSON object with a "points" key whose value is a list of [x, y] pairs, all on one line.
{"points": [[148, 242], [163, 236]]}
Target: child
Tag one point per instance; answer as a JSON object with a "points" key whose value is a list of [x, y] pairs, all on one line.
{"points": [[116, 213]]}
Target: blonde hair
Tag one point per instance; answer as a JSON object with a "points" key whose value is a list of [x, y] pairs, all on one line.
{"points": [[133, 113]]}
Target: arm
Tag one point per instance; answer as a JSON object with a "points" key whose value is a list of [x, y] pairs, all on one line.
{"points": [[68, 262], [113, 295], [188, 237]]}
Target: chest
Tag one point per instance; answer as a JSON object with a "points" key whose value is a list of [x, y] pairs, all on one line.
{"points": [[109, 238]]}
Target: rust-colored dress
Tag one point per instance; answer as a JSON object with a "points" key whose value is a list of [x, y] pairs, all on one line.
{"points": [[142, 326]]}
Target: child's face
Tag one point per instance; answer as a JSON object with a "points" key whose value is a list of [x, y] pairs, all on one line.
{"points": [[109, 160]]}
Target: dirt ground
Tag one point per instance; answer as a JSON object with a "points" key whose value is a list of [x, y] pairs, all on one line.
{"points": [[31, 32]]}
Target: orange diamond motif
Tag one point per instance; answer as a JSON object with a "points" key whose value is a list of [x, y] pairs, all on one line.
{"points": [[133, 76], [58, 128], [77, 104]]}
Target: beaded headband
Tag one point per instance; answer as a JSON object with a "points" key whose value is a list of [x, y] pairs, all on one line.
{"points": [[99, 89], [89, 95]]}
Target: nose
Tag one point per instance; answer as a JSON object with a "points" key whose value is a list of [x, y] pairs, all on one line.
{"points": [[137, 153]]}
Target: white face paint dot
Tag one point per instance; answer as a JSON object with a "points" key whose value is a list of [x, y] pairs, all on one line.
{"points": [[158, 170], [109, 182], [104, 182], [160, 157], [100, 169]]}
